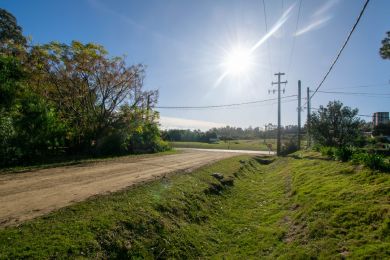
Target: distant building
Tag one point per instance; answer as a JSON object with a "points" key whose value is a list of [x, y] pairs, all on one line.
{"points": [[380, 118]]}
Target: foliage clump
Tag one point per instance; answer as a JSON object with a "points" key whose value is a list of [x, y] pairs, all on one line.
{"points": [[335, 125], [384, 51], [59, 100], [372, 161]]}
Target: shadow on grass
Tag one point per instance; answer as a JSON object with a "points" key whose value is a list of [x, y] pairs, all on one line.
{"points": [[263, 160], [309, 157]]}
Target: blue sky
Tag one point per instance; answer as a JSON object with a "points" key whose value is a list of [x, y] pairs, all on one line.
{"points": [[183, 44]]}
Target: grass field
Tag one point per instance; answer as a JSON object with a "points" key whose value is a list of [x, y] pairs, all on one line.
{"points": [[297, 207], [256, 145]]}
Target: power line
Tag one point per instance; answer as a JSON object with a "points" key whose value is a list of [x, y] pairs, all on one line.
{"points": [[294, 37], [356, 93], [280, 39], [286, 100], [362, 86], [266, 32], [220, 106], [342, 48], [248, 106]]}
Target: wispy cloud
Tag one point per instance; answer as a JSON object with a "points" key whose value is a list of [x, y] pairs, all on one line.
{"points": [[319, 18], [102, 7], [181, 123], [325, 7], [314, 26], [275, 28]]}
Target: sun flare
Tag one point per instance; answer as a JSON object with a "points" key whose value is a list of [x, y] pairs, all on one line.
{"points": [[238, 61]]}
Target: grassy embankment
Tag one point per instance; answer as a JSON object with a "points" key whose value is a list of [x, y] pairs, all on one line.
{"points": [[256, 145], [293, 207]]}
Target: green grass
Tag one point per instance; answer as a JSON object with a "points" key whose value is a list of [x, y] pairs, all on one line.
{"points": [[256, 145], [297, 207]]}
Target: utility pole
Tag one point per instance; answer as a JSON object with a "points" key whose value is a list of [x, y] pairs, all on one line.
{"points": [[148, 107], [308, 117], [278, 149], [299, 114]]}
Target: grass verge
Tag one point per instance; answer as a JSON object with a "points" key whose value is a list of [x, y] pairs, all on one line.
{"points": [[254, 145], [297, 207]]}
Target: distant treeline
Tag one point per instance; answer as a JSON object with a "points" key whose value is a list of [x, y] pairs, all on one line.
{"points": [[58, 100], [225, 133]]}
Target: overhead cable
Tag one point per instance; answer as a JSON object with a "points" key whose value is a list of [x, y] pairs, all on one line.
{"points": [[342, 48]]}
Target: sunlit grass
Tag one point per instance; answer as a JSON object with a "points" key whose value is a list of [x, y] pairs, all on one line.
{"points": [[296, 207]]}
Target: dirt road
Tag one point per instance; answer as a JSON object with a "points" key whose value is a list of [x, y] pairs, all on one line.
{"points": [[27, 195]]}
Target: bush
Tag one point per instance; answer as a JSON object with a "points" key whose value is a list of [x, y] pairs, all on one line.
{"points": [[328, 151], [113, 144], [8, 152], [372, 161], [343, 154], [289, 147], [146, 139], [317, 147]]}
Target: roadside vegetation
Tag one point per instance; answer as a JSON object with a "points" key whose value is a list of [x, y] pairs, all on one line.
{"points": [[337, 133], [256, 145], [59, 101], [301, 206]]}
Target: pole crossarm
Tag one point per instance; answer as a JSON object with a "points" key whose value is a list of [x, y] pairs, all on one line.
{"points": [[279, 82]]}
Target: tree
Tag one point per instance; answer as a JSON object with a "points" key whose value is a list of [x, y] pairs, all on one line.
{"points": [[385, 49], [12, 41], [75, 98], [9, 28], [88, 87], [10, 76], [335, 125]]}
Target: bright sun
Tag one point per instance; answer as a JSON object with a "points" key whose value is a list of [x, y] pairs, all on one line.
{"points": [[238, 61]]}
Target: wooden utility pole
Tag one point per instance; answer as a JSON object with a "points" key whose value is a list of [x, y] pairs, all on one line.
{"points": [[148, 107], [278, 148], [308, 117], [299, 115]]}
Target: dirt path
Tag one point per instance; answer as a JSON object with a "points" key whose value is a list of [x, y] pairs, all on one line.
{"points": [[31, 194]]}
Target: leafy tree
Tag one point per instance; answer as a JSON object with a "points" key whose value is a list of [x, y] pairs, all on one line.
{"points": [[12, 41], [89, 87], [29, 126], [9, 28], [40, 131], [139, 129], [74, 97], [10, 82], [10, 87], [335, 125], [385, 49]]}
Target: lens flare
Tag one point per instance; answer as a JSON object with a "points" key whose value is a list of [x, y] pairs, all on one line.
{"points": [[238, 61]]}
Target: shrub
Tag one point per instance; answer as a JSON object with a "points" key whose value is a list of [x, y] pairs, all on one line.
{"points": [[358, 158], [372, 161], [289, 147], [343, 154], [328, 151], [317, 147], [113, 144], [375, 162]]}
